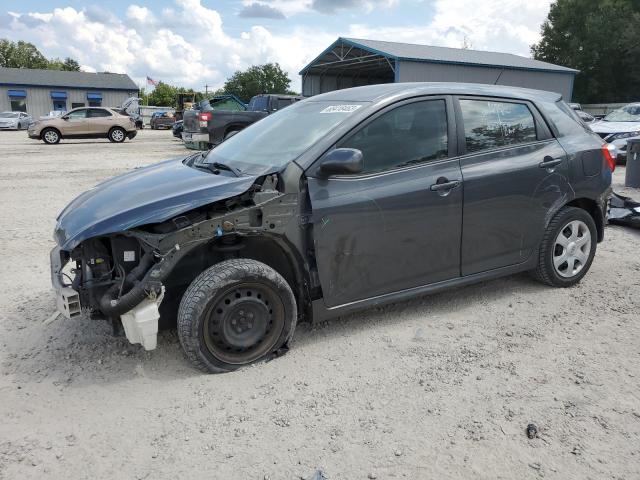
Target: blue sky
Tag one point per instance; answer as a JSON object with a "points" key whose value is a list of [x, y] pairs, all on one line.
{"points": [[193, 42]]}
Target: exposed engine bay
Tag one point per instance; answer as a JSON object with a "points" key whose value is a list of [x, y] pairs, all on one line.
{"points": [[125, 276]]}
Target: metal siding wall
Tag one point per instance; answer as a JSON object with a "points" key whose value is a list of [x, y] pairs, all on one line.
{"points": [[314, 84], [39, 100], [441, 72]]}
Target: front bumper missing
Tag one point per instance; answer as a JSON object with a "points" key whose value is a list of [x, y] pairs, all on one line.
{"points": [[67, 299], [140, 323]]}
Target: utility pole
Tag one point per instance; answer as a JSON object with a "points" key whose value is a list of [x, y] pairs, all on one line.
{"points": [[206, 89]]}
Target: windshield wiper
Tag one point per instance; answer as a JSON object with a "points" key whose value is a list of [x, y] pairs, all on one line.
{"points": [[224, 166], [215, 167]]}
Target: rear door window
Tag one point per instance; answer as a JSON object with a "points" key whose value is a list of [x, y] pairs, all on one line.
{"points": [[98, 112], [410, 134], [492, 124]]}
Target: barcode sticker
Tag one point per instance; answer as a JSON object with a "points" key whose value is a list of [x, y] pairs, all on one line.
{"points": [[340, 109], [129, 256]]}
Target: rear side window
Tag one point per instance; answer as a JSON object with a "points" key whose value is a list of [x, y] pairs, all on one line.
{"points": [[564, 119], [491, 124], [98, 112], [407, 135]]}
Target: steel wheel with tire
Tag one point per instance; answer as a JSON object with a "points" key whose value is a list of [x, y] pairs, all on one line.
{"points": [[567, 248], [117, 135], [50, 136], [235, 313]]}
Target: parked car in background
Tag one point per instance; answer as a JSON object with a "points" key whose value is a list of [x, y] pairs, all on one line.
{"points": [[14, 120], [177, 129], [161, 120], [85, 122], [207, 127], [619, 126], [346, 200]]}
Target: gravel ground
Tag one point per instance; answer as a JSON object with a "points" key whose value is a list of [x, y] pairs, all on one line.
{"points": [[438, 387]]}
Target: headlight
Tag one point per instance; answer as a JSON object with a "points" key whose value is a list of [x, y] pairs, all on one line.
{"points": [[619, 136]]}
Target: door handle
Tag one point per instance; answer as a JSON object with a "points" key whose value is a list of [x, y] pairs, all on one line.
{"points": [[444, 184], [549, 162]]}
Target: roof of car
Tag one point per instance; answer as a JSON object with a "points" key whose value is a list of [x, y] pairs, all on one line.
{"points": [[372, 93]]}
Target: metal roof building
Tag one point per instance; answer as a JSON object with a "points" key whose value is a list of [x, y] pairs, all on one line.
{"points": [[351, 62], [40, 91]]}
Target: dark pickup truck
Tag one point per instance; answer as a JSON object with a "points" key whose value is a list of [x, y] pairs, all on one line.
{"points": [[206, 126]]}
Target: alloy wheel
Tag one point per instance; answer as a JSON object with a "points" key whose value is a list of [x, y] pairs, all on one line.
{"points": [[117, 135], [50, 136]]}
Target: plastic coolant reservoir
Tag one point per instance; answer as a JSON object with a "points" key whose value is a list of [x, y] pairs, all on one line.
{"points": [[141, 323]]}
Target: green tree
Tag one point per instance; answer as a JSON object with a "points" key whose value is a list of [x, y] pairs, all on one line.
{"points": [[21, 55], [588, 35], [69, 65], [25, 55], [165, 95], [268, 78]]}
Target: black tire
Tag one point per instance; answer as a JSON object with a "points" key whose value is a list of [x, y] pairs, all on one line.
{"points": [[551, 252], [231, 133], [50, 136], [117, 135], [235, 313]]}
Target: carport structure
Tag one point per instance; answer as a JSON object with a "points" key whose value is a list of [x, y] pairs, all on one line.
{"points": [[352, 62]]}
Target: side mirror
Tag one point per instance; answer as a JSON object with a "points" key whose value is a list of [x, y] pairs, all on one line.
{"points": [[65, 117], [341, 161]]}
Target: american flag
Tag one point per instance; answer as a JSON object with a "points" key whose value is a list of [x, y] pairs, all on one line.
{"points": [[151, 81]]}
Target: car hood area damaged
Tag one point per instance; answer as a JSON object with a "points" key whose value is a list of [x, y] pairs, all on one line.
{"points": [[145, 195], [624, 211]]}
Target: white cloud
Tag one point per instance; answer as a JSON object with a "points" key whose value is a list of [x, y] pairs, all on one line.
{"points": [[187, 44]]}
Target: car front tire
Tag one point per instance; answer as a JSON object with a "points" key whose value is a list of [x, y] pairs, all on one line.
{"points": [[117, 135], [235, 313], [567, 248], [50, 136]]}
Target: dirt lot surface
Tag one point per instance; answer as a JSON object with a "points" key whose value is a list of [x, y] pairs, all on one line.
{"points": [[435, 388]]}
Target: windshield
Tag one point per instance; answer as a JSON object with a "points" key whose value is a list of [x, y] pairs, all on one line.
{"points": [[629, 113], [8, 115], [281, 137]]}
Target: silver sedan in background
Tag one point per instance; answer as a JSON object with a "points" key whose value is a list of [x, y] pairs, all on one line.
{"points": [[14, 120]]}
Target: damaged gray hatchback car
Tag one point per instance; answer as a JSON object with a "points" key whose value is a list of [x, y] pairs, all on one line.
{"points": [[342, 201]]}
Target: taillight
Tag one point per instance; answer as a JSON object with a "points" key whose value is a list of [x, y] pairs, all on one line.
{"points": [[609, 153], [204, 118]]}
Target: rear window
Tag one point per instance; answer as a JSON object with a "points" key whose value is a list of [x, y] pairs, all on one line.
{"points": [[259, 103], [492, 124]]}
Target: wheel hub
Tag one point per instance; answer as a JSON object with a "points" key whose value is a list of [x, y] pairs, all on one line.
{"points": [[244, 322]]}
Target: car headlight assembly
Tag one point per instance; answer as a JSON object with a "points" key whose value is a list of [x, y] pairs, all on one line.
{"points": [[619, 136]]}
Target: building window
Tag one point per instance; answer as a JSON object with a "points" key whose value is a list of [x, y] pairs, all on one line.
{"points": [[59, 101], [18, 105], [60, 105], [18, 100], [94, 99], [77, 104]]}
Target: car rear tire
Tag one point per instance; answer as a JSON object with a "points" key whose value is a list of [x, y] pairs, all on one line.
{"points": [[117, 135], [50, 136], [235, 313], [567, 248]]}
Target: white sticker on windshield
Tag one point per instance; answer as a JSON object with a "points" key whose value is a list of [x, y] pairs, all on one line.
{"points": [[340, 109]]}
